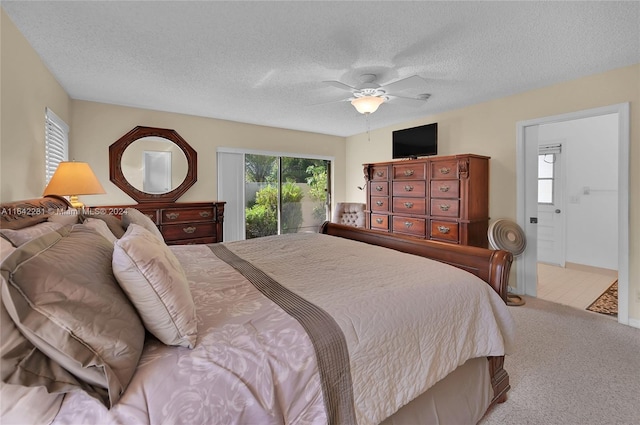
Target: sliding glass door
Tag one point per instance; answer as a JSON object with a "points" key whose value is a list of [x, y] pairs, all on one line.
{"points": [[280, 194]]}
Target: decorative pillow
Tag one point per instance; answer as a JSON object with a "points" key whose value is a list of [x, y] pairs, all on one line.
{"points": [[132, 215], [101, 227], [69, 216], [153, 279], [5, 249], [113, 223], [83, 332], [21, 236]]}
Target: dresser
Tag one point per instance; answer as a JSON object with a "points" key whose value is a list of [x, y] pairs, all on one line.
{"points": [[181, 223], [442, 198]]}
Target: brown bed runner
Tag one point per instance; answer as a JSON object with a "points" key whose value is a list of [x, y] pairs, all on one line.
{"points": [[326, 336]]}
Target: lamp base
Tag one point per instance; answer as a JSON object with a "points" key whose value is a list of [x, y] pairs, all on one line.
{"points": [[75, 203]]}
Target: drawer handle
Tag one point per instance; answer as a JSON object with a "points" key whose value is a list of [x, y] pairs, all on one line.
{"points": [[408, 204], [408, 173], [408, 188], [443, 229], [172, 215], [379, 220], [379, 188], [445, 207], [379, 203], [380, 173], [444, 188], [445, 170], [204, 214], [408, 224], [151, 216], [189, 229]]}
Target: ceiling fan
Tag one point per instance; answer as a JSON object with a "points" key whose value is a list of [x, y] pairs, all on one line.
{"points": [[368, 96]]}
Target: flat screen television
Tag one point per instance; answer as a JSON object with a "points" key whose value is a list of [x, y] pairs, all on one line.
{"points": [[416, 141]]}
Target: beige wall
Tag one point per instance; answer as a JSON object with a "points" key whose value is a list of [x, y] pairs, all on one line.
{"points": [[97, 125], [27, 88], [489, 128]]}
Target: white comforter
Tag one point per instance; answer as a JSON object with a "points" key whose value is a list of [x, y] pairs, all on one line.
{"points": [[408, 322]]}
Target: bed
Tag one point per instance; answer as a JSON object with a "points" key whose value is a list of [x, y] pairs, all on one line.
{"points": [[343, 326]]}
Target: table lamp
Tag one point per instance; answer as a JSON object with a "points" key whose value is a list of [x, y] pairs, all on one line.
{"points": [[72, 179]]}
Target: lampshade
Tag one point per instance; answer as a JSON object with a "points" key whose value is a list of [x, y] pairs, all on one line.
{"points": [[367, 104], [73, 179]]}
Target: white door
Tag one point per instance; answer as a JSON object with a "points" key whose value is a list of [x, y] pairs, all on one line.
{"points": [[550, 205], [157, 172]]}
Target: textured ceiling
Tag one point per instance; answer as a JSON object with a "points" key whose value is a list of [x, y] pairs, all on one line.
{"points": [[265, 62]]}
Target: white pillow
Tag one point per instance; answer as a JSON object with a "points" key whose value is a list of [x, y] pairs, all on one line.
{"points": [[132, 215], [101, 227], [153, 279]]}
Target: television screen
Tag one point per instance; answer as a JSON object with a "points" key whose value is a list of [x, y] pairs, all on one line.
{"points": [[416, 141]]}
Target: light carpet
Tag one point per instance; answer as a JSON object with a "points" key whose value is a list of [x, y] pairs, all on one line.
{"points": [[570, 367]]}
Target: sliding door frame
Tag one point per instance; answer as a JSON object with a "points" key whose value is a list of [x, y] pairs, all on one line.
{"points": [[230, 208]]}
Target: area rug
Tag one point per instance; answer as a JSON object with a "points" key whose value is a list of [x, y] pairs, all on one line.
{"points": [[607, 303]]}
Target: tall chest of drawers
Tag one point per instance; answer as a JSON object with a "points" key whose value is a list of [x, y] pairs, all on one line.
{"points": [[443, 198]]}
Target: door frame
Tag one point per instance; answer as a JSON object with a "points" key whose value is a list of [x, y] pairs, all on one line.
{"points": [[527, 264]]}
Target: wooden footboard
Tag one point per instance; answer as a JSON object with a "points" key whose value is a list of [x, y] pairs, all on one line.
{"points": [[492, 266], [489, 265]]}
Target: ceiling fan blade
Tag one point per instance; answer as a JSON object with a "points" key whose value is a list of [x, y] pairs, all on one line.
{"points": [[340, 85], [409, 101], [348, 99], [413, 82]]}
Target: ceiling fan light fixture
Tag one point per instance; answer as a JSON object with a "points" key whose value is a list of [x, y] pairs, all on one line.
{"points": [[367, 104]]}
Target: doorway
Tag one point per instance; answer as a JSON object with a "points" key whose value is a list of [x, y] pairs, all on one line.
{"points": [[527, 149]]}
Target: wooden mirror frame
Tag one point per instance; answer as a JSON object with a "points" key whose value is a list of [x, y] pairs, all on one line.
{"points": [[116, 150]]}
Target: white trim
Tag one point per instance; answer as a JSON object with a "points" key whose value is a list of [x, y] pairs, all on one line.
{"points": [[622, 109], [275, 153]]}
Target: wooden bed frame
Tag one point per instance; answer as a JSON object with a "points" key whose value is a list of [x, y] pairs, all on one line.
{"points": [[491, 266]]}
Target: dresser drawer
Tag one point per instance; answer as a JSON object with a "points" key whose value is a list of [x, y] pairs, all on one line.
{"points": [[192, 241], [380, 222], [410, 205], [444, 231], [379, 188], [409, 188], [409, 226], [379, 203], [445, 188], [444, 169], [151, 213], [380, 173], [172, 232], [178, 215], [409, 172], [445, 207]]}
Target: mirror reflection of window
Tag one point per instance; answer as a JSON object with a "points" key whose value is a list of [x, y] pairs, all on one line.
{"points": [[157, 172]]}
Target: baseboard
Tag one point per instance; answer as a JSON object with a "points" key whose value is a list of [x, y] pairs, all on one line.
{"points": [[635, 323]]}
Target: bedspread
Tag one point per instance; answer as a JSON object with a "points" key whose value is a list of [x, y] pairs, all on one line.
{"points": [[252, 363], [407, 321]]}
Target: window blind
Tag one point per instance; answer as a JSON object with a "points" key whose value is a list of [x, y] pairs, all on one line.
{"points": [[56, 139]]}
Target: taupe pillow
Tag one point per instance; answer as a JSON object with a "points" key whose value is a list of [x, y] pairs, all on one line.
{"points": [[69, 216], [113, 222], [60, 291], [153, 279], [132, 215], [101, 227], [22, 236]]}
